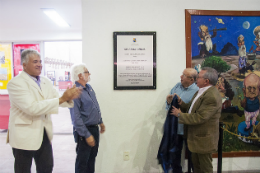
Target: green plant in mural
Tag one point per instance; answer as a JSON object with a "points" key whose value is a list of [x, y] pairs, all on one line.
{"points": [[217, 63]]}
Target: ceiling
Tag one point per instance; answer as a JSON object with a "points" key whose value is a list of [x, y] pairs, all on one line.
{"points": [[26, 16]]}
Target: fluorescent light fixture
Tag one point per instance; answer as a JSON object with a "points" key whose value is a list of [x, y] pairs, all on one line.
{"points": [[51, 13]]}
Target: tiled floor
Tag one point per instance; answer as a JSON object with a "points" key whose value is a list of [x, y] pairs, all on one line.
{"points": [[63, 146], [63, 151]]}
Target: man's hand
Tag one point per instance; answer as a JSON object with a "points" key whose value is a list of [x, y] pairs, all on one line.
{"points": [[169, 99], [102, 128], [179, 99], [70, 94], [90, 141], [175, 111]]}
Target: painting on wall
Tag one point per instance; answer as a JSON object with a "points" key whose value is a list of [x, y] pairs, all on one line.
{"points": [[229, 41], [5, 66]]}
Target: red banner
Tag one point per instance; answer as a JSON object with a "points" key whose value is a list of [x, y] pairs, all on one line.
{"points": [[18, 48]]}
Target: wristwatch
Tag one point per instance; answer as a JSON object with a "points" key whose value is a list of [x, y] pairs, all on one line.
{"points": [[179, 114]]}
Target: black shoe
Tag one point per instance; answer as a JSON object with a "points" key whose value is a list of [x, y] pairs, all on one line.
{"points": [[240, 113], [248, 129]]}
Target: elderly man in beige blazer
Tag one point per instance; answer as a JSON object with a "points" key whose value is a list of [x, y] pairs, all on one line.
{"points": [[202, 120], [33, 99]]}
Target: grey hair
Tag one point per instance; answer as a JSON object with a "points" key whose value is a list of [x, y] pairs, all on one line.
{"points": [[211, 74], [27, 53], [77, 69]]}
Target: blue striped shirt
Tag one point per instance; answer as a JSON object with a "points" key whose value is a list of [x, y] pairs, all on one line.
{"points": [[86, 111], [186, 95]]}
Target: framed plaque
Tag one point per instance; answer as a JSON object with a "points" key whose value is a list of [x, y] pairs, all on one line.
{"points": [[134, 60]]}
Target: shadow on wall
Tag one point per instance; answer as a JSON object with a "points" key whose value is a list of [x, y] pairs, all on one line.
{"points": [[152, 131], [149, 132], [154, 124]]}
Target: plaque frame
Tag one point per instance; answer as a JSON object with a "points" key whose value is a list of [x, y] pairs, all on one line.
{"points": [[136, 33]]}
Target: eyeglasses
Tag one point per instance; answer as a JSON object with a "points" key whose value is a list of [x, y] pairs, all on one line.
{"points": [[201, 77], [87, 72], [186, 76]]}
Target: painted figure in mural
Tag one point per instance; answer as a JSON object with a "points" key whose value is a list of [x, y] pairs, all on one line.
{"points": [[241, 46], [250, 103], [244, 65], [257, 40], [227, 95], [206, 45]]}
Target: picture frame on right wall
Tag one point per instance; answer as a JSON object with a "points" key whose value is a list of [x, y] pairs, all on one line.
{"points": [[229, 41]]}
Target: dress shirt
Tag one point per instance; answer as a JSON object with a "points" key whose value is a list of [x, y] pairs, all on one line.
{"points": [[86, 111], [37, 79], [201, 91], [186, 95]]}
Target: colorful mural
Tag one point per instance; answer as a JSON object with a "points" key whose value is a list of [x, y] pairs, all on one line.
{"points": [[231, 45]]}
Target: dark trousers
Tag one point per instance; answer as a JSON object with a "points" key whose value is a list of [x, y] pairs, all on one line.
{"points": [[176, 166], [244, 69], [43, 158], [202, 163], [86, 155], [176, 156]]}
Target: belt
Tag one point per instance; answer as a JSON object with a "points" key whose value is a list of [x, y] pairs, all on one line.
{"points": [[95, 125]]}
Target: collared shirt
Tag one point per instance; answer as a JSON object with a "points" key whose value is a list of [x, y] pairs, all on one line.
{"points": [[186, 95], [201, 91], [86, 111], [37, 79]]}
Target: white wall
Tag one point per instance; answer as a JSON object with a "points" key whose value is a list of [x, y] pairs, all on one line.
{"points": [[134, 119]]}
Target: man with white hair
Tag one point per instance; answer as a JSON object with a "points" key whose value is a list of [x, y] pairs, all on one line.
{"points": [[201, 115], [86, 117], [33, 99], [185, 89]]}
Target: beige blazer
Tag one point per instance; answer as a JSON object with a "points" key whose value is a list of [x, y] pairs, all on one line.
{"points": [[30, 112], [203, 121]]}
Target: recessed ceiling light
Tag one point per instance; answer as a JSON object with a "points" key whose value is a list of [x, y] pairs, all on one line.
{"points": [[51, 13]]}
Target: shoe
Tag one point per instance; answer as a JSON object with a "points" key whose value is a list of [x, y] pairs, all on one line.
{"points": [[246, 129], [249, 129], [240, 113]]}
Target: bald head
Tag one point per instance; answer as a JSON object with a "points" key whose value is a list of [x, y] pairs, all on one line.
{"points": [[188, 77], [192, 73]]}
